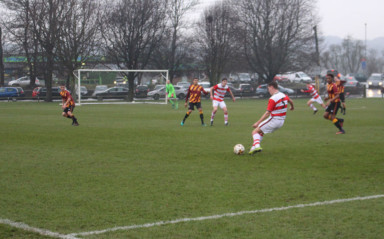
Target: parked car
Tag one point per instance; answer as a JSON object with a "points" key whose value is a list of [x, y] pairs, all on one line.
{"points": [[246, 90], [281, 78], [351, 85], [114, 92], [375, 81], [235, 92], [141, 91], [11, 92], [156, 94], [83, 91], [23, 81], [262, 90], [245, 77], [298, 77], [183, 84], [206, 86], [121, 81], [359, 76], [42, 91], [158, 87], [99, 88]]}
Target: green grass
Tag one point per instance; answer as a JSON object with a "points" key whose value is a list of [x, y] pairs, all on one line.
{"points": [[135, 164]]}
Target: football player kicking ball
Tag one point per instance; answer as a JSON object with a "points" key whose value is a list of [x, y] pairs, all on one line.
{"points": [[68, 105], [315, 97], [194, 96], [218, 99], [273, 118]]}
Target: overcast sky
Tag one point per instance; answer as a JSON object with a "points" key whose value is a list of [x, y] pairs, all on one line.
{"points": [[344, 17]]}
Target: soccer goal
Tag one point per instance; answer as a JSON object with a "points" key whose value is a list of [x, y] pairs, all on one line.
{"points": [[109, 86]]}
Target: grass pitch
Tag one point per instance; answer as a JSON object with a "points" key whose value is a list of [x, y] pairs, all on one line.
{"points": [[134, 164]]}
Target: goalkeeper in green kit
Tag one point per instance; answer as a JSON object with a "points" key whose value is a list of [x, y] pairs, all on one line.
{"points": [[170, 90]]}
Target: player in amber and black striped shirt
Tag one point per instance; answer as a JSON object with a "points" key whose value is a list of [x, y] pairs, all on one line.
{"points": [[68, 105], [333, 104], [340, 86], [194, 96]]}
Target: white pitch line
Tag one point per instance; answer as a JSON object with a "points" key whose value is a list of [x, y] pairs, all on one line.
{"points": [[125, 228], [40, 231]]}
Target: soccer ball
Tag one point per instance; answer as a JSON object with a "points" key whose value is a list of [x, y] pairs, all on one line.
{"points": [[238, 149]]}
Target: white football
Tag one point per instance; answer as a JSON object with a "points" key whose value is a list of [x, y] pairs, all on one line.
{"points": [[238, 149]]}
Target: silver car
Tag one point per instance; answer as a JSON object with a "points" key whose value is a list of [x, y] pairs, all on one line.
{"points": [[156, 94], [23, 81], [375, 81]]}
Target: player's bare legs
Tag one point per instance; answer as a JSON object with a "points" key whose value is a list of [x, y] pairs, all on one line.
{"points": [[310, 104], [225, 115]]}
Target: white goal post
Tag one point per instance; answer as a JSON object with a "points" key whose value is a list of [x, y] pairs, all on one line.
{"points": [[80, 74]]}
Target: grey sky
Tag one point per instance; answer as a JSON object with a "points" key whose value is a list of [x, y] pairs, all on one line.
{"points": [[343, 17]]}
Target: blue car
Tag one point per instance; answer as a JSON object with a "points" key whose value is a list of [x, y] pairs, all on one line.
{"points": [[11, 92]]}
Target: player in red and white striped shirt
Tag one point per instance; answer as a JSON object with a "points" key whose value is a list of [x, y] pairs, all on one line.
{"points": [[273, 118], [218, 99], [315, 97]]}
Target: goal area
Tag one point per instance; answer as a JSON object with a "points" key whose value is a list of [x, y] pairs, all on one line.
{"points": [[110, 86]]}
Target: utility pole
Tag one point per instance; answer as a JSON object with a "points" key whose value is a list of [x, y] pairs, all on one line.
{"points": [[1, 59]]}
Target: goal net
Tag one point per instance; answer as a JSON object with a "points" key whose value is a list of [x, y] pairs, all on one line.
{"points": [[107, 86]]}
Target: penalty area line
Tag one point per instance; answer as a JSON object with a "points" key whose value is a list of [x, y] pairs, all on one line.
{"points": [[40, 231], [160, 223]]}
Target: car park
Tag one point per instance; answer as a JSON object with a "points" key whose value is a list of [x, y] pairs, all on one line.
{"points": [[11, 92], [262, 90], [141, 91], [156, 94], [23, 81], [375, 80], [117, 92]]}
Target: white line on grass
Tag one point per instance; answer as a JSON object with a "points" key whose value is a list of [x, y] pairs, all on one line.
{"points": [[40, 231], [125, 228]]}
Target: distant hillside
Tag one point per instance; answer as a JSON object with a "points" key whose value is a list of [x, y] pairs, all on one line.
{"points": [[377, 43]]}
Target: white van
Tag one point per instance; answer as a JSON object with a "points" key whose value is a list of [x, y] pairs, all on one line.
{"points": [[299, 77]]}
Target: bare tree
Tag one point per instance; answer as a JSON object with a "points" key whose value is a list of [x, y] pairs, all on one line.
{"points": [[345, 57], [47, 18], [19, 26], [375, 62], [218, 39], [174, 47], [1, 59], [131, 32], [277, 35], [78, 38]]}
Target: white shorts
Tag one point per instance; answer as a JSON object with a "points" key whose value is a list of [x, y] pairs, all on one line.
{"points": [[271, 124], [216, 103], [318, 100]]}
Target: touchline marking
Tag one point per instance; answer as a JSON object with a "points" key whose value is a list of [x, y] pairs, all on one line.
{"points": [[40, 231], [126, 228]]}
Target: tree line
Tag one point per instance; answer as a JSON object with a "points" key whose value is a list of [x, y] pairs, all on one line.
{"points": [[266, 37]]}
